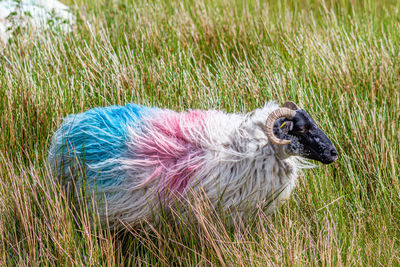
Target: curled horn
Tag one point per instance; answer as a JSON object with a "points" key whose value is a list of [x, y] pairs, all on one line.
{"points": [[291, 105], [269, 125]]}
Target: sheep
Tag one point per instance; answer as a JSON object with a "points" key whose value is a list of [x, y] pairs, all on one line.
{"points": [[134, 158]]}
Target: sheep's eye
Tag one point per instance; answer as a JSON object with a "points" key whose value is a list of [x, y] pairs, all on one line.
{"points": [[302, 131]]}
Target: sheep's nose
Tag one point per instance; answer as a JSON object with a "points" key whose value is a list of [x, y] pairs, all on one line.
{"points": [[334, 154]]}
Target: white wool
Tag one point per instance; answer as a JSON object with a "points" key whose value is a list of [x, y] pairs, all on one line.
{"points": [[244, 170]]}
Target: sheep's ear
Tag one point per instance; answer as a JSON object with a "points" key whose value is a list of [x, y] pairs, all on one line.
{"points": [[291, 105], [287, 126]]}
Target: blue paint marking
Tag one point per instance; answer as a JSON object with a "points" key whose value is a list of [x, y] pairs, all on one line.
{"points": [[95, 140]]}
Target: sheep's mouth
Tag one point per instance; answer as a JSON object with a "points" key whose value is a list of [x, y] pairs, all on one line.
{"points": [[324, 158], [329, 160]]}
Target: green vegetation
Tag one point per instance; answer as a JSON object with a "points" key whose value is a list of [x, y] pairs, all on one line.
{"points": [[337, 59]]}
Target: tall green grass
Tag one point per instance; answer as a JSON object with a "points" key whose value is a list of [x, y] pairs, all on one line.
{"points": [[338, 59]]}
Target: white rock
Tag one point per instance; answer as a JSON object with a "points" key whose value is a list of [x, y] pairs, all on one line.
{"points": [[40, 11]]}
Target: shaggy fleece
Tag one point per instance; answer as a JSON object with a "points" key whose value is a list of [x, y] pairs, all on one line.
{"points": [[135, 158]]}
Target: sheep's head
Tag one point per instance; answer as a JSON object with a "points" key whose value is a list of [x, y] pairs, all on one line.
{"points": [[293, 128]]}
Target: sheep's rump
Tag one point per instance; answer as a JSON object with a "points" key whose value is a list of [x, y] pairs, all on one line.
{"points": [[128, 145]]}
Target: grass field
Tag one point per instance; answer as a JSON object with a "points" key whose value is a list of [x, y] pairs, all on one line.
{"points": [[340, 60]]}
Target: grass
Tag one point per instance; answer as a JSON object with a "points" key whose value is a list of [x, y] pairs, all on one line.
{"points": [[338, 59]]}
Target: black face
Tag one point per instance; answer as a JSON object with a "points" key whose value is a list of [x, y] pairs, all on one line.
{"points": [[307, 140]]}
